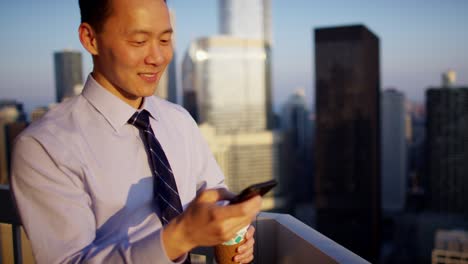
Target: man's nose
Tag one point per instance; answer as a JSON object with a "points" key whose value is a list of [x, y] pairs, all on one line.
{"points": [[155, 55]]}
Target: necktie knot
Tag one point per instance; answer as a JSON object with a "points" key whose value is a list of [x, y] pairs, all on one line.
{"points": [[140, 120]]}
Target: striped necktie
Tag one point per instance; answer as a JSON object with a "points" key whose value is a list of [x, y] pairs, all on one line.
{"points": [[166, 195]]}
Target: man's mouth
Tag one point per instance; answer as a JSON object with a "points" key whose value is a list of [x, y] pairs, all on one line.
{"points": [[149, 77]]}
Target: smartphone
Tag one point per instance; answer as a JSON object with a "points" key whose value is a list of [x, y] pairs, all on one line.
{"points": [[256, 189]]}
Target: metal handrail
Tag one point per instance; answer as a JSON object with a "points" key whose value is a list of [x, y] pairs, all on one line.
{"points": [[281, 238]]}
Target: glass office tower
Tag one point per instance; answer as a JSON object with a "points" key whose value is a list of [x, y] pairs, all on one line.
{"points": [[251, 19], [224, 82], [167, 86], [246, 19], [245, 158], [226, 85], [348, 137], [394, 151], [68, 74], [447, 148]]}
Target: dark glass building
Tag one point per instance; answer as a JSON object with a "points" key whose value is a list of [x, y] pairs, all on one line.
{"points": [[68, 74], [347, 154], [447, 149]]}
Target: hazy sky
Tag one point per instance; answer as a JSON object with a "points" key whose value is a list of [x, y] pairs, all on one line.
{"points": [[419, 39]]}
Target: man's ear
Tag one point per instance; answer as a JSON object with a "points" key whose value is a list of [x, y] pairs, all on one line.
{"points": [[88, 38]]}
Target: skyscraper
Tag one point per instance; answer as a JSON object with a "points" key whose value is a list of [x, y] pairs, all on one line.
{"points": [[245, 158], [167, 86], [348, 137], [447, 148], [68, 74], [394, 150], [450, 246], [296, 123], [226, 85], [251, 19], [225, 82], [246, 19], [295, 115], [448, 78], [12, 122]]}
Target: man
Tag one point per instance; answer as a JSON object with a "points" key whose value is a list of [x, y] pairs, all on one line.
{"points": [[83, 176]]}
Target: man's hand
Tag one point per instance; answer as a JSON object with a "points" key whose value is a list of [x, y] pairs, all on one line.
{"points": [[204, 223], [246, 250]]}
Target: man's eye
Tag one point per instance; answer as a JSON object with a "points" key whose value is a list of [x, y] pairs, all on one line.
{"points": [[165, 41], [139, 43]]}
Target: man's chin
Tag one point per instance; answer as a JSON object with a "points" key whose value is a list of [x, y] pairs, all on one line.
{"points": [[149, 92], [146, 89]]}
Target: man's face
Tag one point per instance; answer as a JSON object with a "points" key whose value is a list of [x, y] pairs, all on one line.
{"points": [[134, 49]]}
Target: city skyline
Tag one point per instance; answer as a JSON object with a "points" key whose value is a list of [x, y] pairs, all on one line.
{"points": [[366, 168], [420, 40]]}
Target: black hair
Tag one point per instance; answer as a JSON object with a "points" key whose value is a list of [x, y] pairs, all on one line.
{"points": [[95, 12]]}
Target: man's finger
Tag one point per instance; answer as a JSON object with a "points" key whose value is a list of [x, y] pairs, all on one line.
{"points": [[246, 246], [248, 208], [250, 232], [214, 195], [245, 257], [225, 194]]}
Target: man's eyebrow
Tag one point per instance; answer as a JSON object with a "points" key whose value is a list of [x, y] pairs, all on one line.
{"points": [[167, 31], [146, 32]]}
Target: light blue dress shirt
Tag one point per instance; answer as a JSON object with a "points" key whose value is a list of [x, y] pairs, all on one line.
{"points": [[83, 184]]}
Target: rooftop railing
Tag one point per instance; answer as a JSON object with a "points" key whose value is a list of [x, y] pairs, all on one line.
{"points": [[282, 239]]}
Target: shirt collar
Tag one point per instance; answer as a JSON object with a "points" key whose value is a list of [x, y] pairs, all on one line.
{"points": [[112, 108], [150, 106]]}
